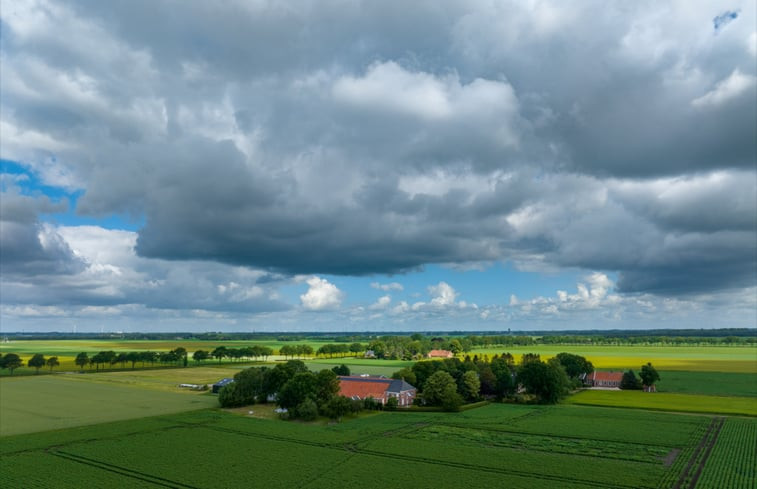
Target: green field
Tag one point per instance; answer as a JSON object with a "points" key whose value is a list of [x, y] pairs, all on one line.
{"points": [[708, 383], [50, 402], [495, 446], [691, 403]]}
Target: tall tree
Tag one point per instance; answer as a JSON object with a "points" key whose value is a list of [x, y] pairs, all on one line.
{"points": [[649, 374], [200, 355], [37, 361], [52, 362], [629, 381], [82, 360], [11, 361], [441, 390]]}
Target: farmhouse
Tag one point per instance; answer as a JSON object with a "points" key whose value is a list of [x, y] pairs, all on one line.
{"points": [[219, 385], [379, 388], [604, 379], [440, 354]]}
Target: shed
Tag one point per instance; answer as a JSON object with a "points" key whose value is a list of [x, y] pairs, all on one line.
{"points": [[219, 385]]}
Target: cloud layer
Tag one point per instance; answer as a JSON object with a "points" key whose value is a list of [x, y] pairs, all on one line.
{"points": [[262, 139]]}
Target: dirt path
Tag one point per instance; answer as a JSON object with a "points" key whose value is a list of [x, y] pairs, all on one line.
{"points": [[698, 459]]}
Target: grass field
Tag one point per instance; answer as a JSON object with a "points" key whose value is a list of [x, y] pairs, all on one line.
{"points": [[494, 446], [50, 402], [663, 401]]}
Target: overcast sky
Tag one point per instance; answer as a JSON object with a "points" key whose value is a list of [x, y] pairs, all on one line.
{"points": [[345, 165]]}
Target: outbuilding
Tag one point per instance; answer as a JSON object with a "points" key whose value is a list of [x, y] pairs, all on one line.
{"points": [[219, 385]]}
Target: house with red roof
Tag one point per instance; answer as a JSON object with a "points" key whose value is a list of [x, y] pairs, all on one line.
{"points": [[440, 354], [604, 379], [379, 388]]}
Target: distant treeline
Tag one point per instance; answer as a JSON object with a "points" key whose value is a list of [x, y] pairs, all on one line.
{"points": [[727, 336]]}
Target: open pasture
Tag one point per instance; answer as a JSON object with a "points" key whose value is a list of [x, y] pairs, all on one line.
{"points": [[663, 401], [495, 446], [708, 383], [50, 402]]}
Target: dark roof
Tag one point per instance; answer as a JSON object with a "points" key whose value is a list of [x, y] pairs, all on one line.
{"points": [[223, 382], [392, 385], [399, 386]]}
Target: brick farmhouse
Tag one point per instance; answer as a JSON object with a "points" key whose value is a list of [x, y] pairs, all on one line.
{"points": [[604, 379], [379, 388]]}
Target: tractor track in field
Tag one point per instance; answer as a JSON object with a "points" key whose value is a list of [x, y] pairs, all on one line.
{"points": [[700, 456], [355, 450], [116, 469]]}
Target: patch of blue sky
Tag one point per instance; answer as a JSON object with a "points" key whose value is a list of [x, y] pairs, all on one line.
{"points": [[491, 285], [31, 185]]}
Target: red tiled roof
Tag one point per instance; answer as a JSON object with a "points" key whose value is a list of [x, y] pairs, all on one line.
{"points": [[361, 388], [607, 376], [440, 353]]}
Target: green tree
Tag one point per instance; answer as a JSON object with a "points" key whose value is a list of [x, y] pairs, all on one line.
{"points": [[307, 410], [392, 404], [133, 357], [82, 360], [575, 365], [547, 381], [341, 370], [219, 353], [629, 381], [471, 385], [356, 348], [37, 361], [649, 375], [11, 361], [200, 355], [326, 386], [300, 387], [441, 390], [337, 407], [406, 374], [52, 362]]}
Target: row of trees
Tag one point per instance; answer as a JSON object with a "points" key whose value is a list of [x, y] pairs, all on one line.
{"points": [[451, 382], [247, 353], [416, 346], [304, 394], [12, 361], [102, 359]]}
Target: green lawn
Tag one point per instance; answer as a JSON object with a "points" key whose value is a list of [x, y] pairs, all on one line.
{"points": [[664, 401], [49, 402]]}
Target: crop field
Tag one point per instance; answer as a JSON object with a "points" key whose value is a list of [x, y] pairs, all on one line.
{"points": [[495, 446], [48, 402], [731, 463], [708, 383], [667, 401], [687, 358]]}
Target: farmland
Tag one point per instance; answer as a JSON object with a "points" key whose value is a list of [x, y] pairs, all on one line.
{"points": [[30, 404], [518, 446], [668, 402], [125, 427]]}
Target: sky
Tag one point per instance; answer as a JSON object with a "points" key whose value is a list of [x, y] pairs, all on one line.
{"points": [[356, 165]]}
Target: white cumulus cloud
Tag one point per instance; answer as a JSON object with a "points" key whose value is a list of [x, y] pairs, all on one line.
{"points": [[321, 295]]}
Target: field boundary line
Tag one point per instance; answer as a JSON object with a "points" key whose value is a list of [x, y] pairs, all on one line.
{"points": [[459, 465], [700, 455], [98, 464]]}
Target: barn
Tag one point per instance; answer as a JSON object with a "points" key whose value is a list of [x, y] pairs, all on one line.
{"points": [[379, 388], [604, 379]]}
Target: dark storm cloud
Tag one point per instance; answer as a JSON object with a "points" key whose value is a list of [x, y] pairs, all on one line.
{"points": [[377, 138]]}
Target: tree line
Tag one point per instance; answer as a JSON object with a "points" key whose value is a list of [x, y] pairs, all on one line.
{"points": [[12, 361], [451, 382]]}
